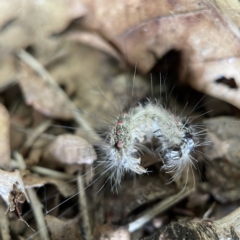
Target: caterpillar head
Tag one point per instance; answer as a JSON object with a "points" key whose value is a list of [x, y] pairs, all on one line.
{"points": [[177, 155]]}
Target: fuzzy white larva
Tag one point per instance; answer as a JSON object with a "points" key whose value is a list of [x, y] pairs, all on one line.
{"points": [[126, 139]]}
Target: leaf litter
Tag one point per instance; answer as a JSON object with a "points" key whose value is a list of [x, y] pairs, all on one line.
{"points": [[62, 94]]}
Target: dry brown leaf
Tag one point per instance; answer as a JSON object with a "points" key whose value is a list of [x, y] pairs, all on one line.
{"points": [[63, 230], [71, 149], [43, 96], [4, 137], [12, 189], [204, 59], [207, 39]]}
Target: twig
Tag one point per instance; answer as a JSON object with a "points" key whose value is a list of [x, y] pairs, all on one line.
{"points": [[41, 170], [4, 225], [36, 132], [51, 173], [157, 209], [20, 161], [209, 211], [37, 211], [84, 207]]}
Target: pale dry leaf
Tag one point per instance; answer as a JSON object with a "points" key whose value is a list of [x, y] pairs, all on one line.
{"points": [[43, 96], [12, 189], [71, 149], [63, 230], [205, 56], [4, 137]]}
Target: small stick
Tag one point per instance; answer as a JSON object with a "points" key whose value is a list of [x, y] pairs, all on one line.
{"points": [[36, 132], [37, 211], [209, 211], [4, 224], [157, 209], [51, 173], [84, 207]]}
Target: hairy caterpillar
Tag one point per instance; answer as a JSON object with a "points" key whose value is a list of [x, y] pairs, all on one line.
{"points": [[144, 32], [176, 138]]}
